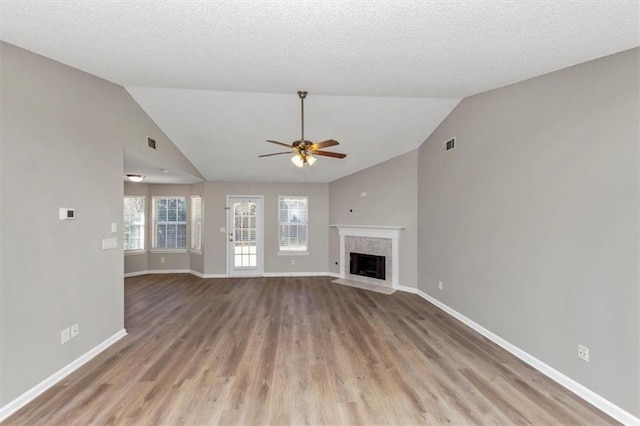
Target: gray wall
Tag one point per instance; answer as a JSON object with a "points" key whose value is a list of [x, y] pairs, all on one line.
{"points": [[532, 221], [215, 243], [60, 149], [63, 134], [392, 200]]}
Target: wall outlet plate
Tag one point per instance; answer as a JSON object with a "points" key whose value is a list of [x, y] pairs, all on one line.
{"points": [[440, 285], [583, 353], [74, 330]]}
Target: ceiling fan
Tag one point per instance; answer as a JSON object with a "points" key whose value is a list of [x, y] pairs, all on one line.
{"points": [[305, 150]]}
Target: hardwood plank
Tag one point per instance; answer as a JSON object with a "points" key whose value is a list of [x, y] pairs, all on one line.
{"points": [[298, 351]]}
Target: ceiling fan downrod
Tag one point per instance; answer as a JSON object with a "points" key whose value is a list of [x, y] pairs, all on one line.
{"points": [[302, 94]]}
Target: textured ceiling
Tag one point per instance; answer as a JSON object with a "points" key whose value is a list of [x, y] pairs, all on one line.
{"points": [[374, 48], [346, 49]]}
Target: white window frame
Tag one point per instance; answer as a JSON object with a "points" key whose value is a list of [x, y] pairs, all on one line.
{"points": [[292, 252], [142, 223], [195, 217], [155, 222]]}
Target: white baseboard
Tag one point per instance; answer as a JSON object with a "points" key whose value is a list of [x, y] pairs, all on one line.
{"points": [[333, 275], [158, 271], [408, 289], [583, 392], [201, 275], [168, 271], [35, 391], [135, 274]]}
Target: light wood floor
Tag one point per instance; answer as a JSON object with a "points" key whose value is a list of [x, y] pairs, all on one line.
{"points": [[298, 351]]}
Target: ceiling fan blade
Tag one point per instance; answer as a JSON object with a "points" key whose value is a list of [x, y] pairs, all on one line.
{"points": [[275, 153], [330, 154], [324, 144], [280, 143]]}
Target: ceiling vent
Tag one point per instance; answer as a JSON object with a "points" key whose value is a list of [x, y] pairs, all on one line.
{"points": [[449, 145], [151, 143]]}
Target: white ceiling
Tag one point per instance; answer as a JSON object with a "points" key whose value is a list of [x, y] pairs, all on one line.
{"points": [[154, 172], [222, 133], [248, 58]]}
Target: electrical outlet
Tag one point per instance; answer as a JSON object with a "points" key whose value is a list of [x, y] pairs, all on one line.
{"points": [[74, 330], [64, 336], [583, 353], [162, 260], [440, 285]]}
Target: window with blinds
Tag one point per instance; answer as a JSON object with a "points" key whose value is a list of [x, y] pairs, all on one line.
{"points": [[169, 223], [293, 214], [133, 223], [196, 223]]}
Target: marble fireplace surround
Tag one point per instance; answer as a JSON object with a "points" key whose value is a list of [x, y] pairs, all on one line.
{"points": [[388, 232]]}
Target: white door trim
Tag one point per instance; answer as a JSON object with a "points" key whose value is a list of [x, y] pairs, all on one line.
{"points": [[260, 235]]}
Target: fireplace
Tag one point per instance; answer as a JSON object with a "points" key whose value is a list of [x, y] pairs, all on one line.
{"points": [[379, 241], [367, 265]]}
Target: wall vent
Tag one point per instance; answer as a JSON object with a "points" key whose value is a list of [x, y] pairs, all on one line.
{"points": [[449, 145], [151, 143]]}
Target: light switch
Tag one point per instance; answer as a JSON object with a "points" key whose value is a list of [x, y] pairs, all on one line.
{"points": [[114, 227], [223, 229], [109, 243]]}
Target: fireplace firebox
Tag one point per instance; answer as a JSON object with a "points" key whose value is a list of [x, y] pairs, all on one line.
{"points": [[367, 265]]}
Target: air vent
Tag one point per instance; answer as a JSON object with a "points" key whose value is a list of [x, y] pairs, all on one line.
{"points": [[449, 145], [151, 143]]}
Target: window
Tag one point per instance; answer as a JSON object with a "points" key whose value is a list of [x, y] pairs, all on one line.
{"points": [[196, 223], [293, 214], [169, 223], [134, 223]]}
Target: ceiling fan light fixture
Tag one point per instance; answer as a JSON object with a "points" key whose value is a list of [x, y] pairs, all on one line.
{"points": [[135, 178], [297, 160], [311, 159], [302, 148]]}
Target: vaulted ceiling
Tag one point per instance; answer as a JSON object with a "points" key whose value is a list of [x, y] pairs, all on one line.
{"points": [[221, 77]]}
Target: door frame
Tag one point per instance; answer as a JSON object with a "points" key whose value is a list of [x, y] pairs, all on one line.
{"points": [[259, 271]]}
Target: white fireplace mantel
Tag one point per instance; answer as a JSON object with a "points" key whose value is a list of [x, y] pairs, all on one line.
{"points": [[391, 232]]}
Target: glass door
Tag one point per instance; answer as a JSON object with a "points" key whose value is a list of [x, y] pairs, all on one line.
{"points": [[244, 233]]}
